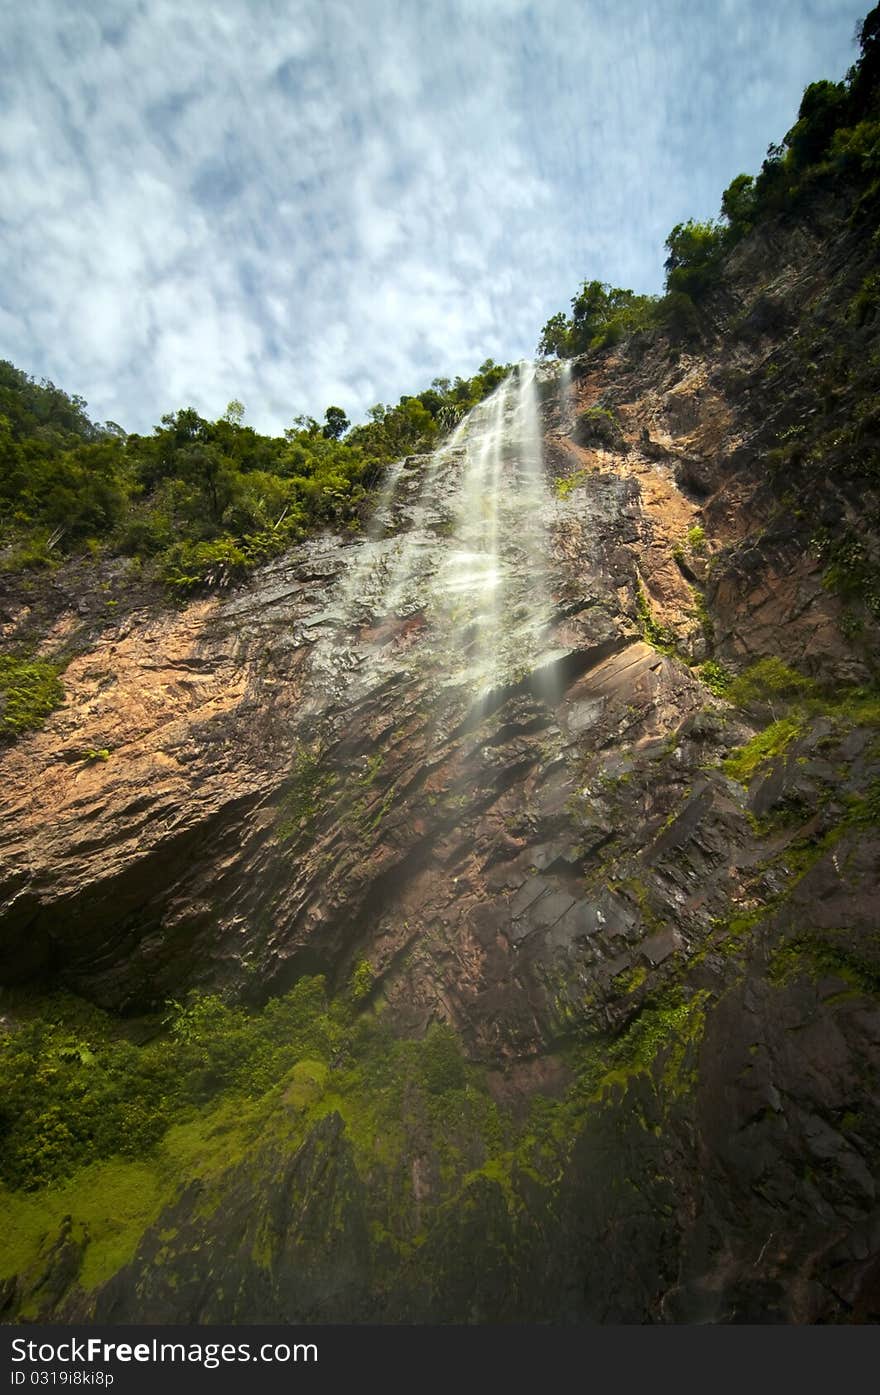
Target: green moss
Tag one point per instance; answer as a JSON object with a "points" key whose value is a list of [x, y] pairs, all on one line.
{"points": [[851, 570], [845, 709], [865, 303], [629, 980], [696, 539], [220, 1134], [278, 1072], [660, 637], [441, 1063], [597, 426], [636, 890], [309, 782], [767, 682], [851, 707], [374, 766], [670, 1024], [29, 690], [73, 1091], [744, 763], [863, 810], [497, 1170], [659, 1042], [370, 817], [818, 956], [113, 1202], [306, 1084]]}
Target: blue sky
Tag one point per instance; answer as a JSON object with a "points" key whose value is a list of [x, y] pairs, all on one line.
{"points": [[299, 202]]}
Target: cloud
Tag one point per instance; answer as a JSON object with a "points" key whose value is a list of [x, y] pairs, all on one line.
{"points": [[337, 200]]}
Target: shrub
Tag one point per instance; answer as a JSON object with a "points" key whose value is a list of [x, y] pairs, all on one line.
{"points": [[597, 426], [29, 690], [195, 566], [677, 314], [73, 1091], [660, 637], [32, 554], [768, 682], [442, 1064], [362, 980], [716, 677]]}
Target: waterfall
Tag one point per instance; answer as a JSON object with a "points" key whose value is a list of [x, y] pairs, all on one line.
{"points": [[566, 397], [468, 557], [359, 573]]}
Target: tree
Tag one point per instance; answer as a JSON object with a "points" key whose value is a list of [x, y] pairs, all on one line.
{"points": [[601, 315], [302, 426], [865, 76], [822, 110], [555, 335], [694, 254], [336, 423], [738, 205]]}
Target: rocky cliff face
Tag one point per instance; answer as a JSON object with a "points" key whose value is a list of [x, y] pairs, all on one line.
{"points": [[664, 944]]}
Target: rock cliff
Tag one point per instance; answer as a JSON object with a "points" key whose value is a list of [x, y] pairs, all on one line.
{"points": [[646, 910]]}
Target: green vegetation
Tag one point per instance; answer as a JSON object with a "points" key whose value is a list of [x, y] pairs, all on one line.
{"points": [[819, 956], [113, 1202], [362, 981], [601, 315], [716, 677], [301, 803], [596, 426], [835, 141], [660, 637], [29, 690], [629, 980], [73, 1090], [97, 1134], [568, 483], [769, 682], [701, 613], [866, 302], [201, 502], [766, 746], [850, 569], [659, 1041], [694, 258]]}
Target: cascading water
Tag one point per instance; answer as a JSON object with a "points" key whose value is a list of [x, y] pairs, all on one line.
{"points": [[566, 393], [380, 522], [460, 541]]}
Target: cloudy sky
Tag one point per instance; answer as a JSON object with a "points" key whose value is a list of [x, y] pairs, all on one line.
{"points": [[298, 202]]}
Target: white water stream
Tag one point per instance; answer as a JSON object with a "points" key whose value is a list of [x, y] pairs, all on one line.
{"points": [[459, 542]]}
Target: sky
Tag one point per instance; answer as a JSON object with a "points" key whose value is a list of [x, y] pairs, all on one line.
{"points": [[303, 202]]}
